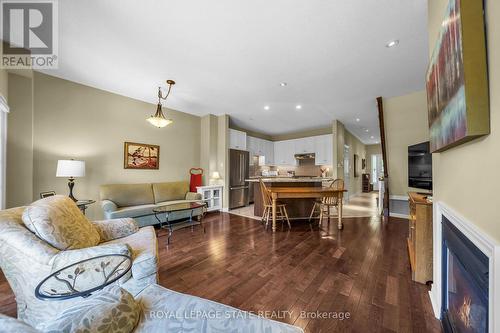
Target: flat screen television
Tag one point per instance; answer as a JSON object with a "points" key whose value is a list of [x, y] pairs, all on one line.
{"points": [[420, 166]]}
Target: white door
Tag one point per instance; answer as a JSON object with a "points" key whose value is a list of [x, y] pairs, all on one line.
{"points": [[347, 166]]}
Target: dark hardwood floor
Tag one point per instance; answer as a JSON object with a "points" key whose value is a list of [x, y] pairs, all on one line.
{"points": [[362, 270]]}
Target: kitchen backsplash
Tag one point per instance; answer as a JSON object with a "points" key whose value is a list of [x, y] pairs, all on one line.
{"points": [[302, 170]]}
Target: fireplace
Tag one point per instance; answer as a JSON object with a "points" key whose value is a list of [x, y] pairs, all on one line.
{"points": [[465, 283]]}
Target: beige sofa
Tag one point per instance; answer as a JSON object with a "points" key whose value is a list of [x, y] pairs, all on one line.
{"points": [[139, 200]]}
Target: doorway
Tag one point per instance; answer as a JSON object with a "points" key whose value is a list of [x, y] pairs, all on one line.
{"points": [[377, 171], [347, 155]]}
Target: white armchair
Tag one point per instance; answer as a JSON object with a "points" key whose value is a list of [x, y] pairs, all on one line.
{"points": [[26, 259]]}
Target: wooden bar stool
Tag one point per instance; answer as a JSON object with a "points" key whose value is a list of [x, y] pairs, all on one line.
{"points": [[281, 212], [325, 204]]}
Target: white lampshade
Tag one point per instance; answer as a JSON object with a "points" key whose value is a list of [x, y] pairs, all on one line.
{"points": [[70, 168], [215, 175]]}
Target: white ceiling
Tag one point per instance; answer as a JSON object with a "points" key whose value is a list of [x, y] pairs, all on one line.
{"points": [[229, 56]]}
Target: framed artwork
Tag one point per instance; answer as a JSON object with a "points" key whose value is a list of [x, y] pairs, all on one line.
{"points": [[356, 164], [141, 156], [457, 80], [363, 163], [47, 194]]}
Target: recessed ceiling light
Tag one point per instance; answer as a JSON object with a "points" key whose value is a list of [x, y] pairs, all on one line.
{"points": [[283, 84], [392, 43], [298, 107], [266, 107], [357, 119], [372, 137]]}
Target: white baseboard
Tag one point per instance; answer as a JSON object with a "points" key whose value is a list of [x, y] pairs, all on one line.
{"points": [[225, 210], [403, 216], [399, 197]]}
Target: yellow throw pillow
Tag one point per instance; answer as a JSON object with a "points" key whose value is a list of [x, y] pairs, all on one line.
{"points": [[58, 221]]}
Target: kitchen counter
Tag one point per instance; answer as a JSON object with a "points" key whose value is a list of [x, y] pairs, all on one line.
{"points": [[289, 179]]}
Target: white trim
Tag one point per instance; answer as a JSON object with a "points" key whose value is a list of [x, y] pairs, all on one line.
{"points": [[225, 210], [3, 104], [487, 245], [399, 197], [403, 216]]}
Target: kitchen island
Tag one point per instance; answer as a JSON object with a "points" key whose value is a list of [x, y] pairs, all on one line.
{"points": [[297, 208]]}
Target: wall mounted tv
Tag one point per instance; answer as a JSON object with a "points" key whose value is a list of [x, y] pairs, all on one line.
{"points": [[420, 166]]}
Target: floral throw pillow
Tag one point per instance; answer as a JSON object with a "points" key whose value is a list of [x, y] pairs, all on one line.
{"points": [[58, 221], [112, 310]]}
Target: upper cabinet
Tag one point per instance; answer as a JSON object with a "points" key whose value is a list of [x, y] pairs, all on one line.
{"points": [[323, 148], [237, 139], [284, 152], [262, 148], [304, 145]]}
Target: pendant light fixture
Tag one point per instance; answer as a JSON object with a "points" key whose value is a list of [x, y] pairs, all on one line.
{"points": [[158, 119]]}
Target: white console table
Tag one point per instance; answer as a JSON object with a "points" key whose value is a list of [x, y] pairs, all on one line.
{"points": [[212, 195]]}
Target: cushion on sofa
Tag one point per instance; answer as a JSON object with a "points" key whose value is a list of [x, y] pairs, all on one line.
{"points": [[132, 211], [124, 195], [144, 251], [170, 191], [58, 221], [9, 325], [111, 310]]}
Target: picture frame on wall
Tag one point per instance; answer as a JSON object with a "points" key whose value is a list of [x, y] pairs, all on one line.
{"points": [[141, 156], [457, 78], [47, 194]]}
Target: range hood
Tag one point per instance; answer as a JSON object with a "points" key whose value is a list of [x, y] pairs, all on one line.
{"points": [[306, 156]]}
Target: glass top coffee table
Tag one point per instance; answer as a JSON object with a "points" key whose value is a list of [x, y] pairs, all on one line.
{"points": [[83, 278], [162, 214]]}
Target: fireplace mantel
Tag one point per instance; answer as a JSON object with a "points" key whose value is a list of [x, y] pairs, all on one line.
{"points": [[488, 246]]}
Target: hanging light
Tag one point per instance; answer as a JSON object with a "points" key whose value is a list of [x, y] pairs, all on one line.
{"points": [[158, 119]]}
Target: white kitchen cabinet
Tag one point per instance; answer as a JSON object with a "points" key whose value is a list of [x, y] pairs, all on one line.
{"points": [[284, 152], [323, 149], [237, 139], [262, 148], [304, 145]]}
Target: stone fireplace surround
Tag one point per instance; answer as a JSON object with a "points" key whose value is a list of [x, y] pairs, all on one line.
{"points": [[488, 246]]}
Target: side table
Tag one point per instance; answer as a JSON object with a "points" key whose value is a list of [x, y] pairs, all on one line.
{"points": [[83, 204]]}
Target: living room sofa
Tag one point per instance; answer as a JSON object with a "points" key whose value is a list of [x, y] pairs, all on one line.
{"points": [[138, 200]]}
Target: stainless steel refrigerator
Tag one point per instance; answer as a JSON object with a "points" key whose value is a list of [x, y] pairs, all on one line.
{"points": [[238, 171]]}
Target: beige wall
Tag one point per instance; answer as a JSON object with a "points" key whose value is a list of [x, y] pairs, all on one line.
{"points": [[3, 83], [20, 142], [208, 146], [223, 156], [465, 177], [405, 121], [76, 121]]}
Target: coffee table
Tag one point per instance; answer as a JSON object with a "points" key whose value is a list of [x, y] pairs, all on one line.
{"points": [[84, 277], [185, 206]]}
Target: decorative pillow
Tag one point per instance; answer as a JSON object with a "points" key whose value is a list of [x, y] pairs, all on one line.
{"points": [[58, 221], [111, 310]]}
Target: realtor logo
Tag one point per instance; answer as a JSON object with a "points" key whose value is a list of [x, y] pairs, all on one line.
{"points": [[29, 34]]}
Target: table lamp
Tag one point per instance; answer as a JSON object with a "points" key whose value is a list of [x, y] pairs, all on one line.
{"points": [[215, 177], [70, 169]]}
